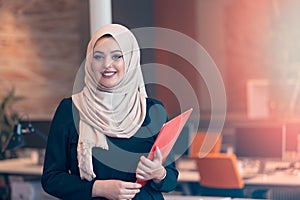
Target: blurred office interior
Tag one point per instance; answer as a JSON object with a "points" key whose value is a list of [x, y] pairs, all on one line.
{"points": [[253, 45]]}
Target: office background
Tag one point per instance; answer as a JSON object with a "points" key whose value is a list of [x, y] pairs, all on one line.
{"points": [[43, 44], [254, 45]]}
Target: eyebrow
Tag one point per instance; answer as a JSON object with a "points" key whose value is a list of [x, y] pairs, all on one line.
{"points": [[114, 51]]}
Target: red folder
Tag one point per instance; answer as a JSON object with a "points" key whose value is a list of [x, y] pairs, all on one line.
{"points": [[167, 136]]}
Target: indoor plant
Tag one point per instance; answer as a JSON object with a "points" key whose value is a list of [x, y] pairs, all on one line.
{"points": [[8, 117]]}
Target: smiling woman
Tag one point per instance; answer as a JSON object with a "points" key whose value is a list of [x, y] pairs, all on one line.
{"points": [[99, 137], [108, 64]]}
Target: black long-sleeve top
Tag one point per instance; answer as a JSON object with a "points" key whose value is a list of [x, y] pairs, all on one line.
{"points": [[61, 173]]}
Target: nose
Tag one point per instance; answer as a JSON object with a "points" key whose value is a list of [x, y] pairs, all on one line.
{"points": [[107, 62]]}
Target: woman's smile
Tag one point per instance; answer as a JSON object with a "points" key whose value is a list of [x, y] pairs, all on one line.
{"points": [[108, 73], [108, 63]]}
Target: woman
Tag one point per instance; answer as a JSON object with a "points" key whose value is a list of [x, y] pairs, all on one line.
{"points": [[99, 137]]}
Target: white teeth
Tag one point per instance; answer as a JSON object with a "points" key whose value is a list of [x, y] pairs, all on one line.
{"points": [[108, 73]]}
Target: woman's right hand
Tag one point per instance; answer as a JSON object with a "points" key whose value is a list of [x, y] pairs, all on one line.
{"points": [[115, 189]]}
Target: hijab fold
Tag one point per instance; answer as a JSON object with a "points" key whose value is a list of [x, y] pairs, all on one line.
{"points": [[109, 112]]}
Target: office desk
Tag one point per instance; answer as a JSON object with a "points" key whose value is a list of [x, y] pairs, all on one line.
{"points": [[188, 173], [177, 197], [20, 166], [29, 186], [279, 183], [277, 179], [280, 179]]}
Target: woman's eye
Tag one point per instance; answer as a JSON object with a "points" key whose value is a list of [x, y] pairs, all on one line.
{"points": [[98, 57], [117, 57]]}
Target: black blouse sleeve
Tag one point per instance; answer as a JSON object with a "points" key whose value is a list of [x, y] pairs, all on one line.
{"points": [[56, 177]]}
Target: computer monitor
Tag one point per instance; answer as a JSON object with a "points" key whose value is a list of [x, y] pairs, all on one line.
{"points": [[28, 135], [260, 142], [38, 137]]}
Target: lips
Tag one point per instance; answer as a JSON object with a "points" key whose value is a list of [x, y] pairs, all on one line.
{"points": [[108, 73]]}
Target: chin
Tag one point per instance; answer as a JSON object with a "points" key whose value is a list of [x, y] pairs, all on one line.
{"points": [[105, 85]]}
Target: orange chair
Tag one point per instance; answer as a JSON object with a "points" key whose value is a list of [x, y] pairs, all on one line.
{"points": [[219, 175], [204, 143]]}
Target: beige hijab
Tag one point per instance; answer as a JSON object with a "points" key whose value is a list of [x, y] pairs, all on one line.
{"points": [[115, 112]]}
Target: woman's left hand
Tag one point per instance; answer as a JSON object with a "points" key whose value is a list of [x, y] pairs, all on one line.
{"points": [[151, 169]]}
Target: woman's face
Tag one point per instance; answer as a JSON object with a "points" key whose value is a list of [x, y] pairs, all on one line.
{"points": [[108, 63]]}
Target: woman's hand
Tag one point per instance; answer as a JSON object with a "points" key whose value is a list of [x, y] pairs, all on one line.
{"points": [[115, 189], [151, 169]]}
